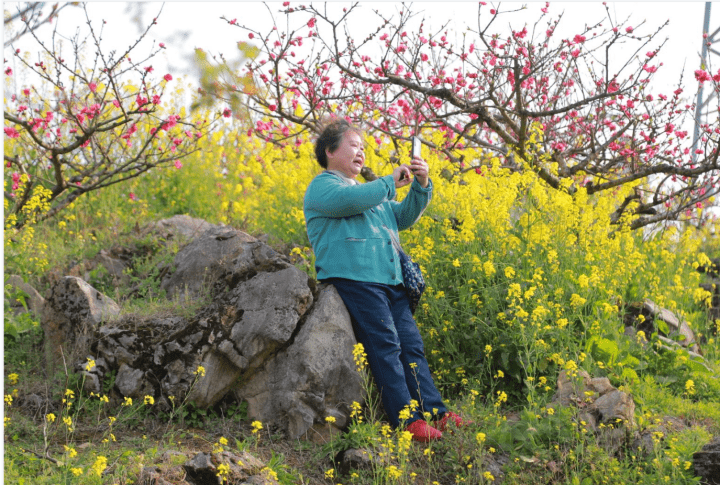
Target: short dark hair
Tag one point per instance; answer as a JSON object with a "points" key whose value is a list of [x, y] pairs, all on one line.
{"points": [[330, 138]]}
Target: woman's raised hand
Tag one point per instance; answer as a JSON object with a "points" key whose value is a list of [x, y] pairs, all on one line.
{"points": [[418, 168]]}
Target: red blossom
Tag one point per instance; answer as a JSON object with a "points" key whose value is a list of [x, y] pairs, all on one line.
{"points": [[227, 113], [311, 23], [702, 76], [162, 45], [251, 35], [93, 87], [11, 132], [168, 77], [9, 71], [629, 30]]}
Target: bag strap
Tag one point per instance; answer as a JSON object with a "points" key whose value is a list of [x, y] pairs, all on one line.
{"points": [[395, 241]]}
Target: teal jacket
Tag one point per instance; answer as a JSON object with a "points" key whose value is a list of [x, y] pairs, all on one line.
{"points": [[351, 225]]}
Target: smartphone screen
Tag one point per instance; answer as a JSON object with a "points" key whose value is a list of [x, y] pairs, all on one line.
{"points": [[415, 147]]}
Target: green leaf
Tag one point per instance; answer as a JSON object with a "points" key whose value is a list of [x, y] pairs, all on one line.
{"points": [[629, 374], [662, 326], [11, 331], [605, 350]]}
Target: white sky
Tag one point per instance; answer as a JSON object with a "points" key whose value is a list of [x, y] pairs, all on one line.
{"points": [[183, 26]]}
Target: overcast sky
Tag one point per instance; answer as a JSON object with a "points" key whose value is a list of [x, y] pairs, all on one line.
{"points": [[183, 26]]}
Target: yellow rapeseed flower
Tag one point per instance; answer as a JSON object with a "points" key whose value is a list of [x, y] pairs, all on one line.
{"points": [[393, 472], [200, 371], [256, 426], [223, 470], [50, 418], [149, 400], [690, 387], [99, 466], [13, 378]]}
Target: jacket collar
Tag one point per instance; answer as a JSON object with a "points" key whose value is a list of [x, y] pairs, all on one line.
{"points": [[343, 176]]}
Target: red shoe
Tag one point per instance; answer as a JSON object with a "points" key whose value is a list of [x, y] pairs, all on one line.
{"points": [[423, 432], [450, 417]]}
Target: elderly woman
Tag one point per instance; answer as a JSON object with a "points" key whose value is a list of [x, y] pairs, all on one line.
{"points": [[351, 227]]}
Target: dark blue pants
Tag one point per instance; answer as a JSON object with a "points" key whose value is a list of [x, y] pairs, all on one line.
{"points": [[384, 324]]}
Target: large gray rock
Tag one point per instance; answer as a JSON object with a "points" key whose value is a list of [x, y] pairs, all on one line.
{"points": [[210, 256], [313, 378], [260, 316], [264, 338], [180, 226], [706, 463], [599, 403], [71, 314], [678, 329]]}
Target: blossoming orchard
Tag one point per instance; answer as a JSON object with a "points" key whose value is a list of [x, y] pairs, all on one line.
{"points": [[597, 123], [565, 190]]}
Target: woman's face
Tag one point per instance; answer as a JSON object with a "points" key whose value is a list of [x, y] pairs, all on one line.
{"points": [[349, 157]]}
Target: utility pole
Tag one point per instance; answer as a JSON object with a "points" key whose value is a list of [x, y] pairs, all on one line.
{"points": [[701, 103]]}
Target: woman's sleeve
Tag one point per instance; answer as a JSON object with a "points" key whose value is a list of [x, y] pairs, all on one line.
{"points": [[409, 211], [329, 196]]}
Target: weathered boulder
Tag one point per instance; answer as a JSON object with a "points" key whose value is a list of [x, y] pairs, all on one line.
{"points": [[679, 330], [647, 440], [313, 378], [179, 226], [706, 463], [71, 314], [269, 336], [260, 316], [201, 263], [599, 403]]}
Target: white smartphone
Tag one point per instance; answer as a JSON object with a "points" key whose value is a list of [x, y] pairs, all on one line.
{"points": [[415, 147]]}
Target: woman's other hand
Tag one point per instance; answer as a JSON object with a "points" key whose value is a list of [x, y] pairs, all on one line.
{"points": [[402, 176]]}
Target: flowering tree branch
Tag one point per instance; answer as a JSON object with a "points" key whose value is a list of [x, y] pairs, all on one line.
{"points": [[88, 126], [32, 16], [576, 110]]}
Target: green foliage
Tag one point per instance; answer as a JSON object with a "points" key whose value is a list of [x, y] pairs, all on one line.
{"points": [[17, 323]]}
